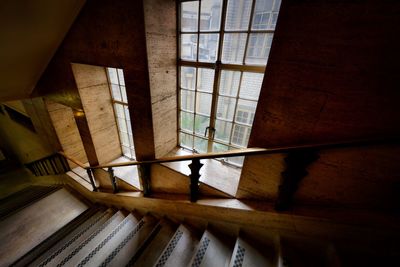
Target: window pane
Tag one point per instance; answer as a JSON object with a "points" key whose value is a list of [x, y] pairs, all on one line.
{"points": [[245, 111], [210, 15], [240, 136], [122, 125], [222, 130], [186, 140], [123, 91], [202, 122], [200, 145], [238, 15], [189, 46], [233, 48], [203, 103], [189, 15], [188, 77], [124, 139], [205, 80], [119, 111], [208, 47], [262, 14], [112, 75], [219, 147], [187, 121], [126, 152], [128, 123], [251, 85], [187, 100], [116, 93], [126, 110], [229, 83], [258, 48], [121, 77], [226, 107]]}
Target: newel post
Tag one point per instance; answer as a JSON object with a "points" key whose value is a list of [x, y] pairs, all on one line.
{"points": [[195, 167], [144, 176], [113, 180]]}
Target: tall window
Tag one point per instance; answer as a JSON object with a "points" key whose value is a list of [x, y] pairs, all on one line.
{"points": [[224, 48], [120, 104]]}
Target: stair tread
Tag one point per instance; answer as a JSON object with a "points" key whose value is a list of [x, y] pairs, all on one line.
{"points": [[73, 239], [245, 254], [131, 244], [180, 249], [76, 253], [98, 253], [157, 245], [211, 251]]}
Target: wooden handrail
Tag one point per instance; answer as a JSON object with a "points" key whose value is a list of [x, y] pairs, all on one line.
{"points": [[252, 151], [80, 164]]}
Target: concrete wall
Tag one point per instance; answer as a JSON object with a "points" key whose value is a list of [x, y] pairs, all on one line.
{"points": [[331, 76], [20, 142], [106, 33], [162, 57], [95, 95]]}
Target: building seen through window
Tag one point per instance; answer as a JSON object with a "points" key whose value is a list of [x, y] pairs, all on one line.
{"points": [[224, 48]]}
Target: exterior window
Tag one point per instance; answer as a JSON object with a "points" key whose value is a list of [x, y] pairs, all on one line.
{"points": [[121, 111], [223, 51]]}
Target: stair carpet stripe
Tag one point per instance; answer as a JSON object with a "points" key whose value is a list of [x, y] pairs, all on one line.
{"points": [[51, 242], [123, 243], [109, 222], [93, 222], [239, 256], [201, 252], [170, 248]]}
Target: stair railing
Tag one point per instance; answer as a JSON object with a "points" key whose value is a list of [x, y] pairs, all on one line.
{"points": [[292, 175], [49, 165]]}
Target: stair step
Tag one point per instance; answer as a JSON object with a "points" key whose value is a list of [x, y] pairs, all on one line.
{"points": [[245, 254], [132, 244], [56, 238], [98, 256], [24, 198], [163, 233], [211, 251], [74, 254], [180, 249], [73, 239]]}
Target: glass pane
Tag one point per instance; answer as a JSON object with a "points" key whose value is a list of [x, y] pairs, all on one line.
{"points": [[202, 122], [122, 125], [187, 121], [116, 93], [245, 111], [123, 91], [222, 130], [229, 83], [262, 14], [208, 47], [238, 15], [210, 19], [121, 77], [188, 77], [119, 111], [189, 47], [130, 140], [200, 145], [233, 48], [187, 100], [126, 110], [112, 75], [226, 107], [189, 15], [251, 85], [219, 147], [186, 140], [205, 80], [240, 135], [203, 103], [128, 124], [126, 152], [258, 48], [124, 139]]}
